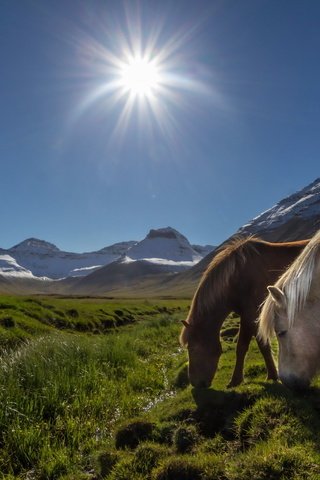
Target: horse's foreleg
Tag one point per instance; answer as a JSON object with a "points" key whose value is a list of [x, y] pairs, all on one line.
{"points": [[265, 349], [245, 336]]}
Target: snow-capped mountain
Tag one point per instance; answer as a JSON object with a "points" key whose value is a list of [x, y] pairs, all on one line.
{"points": [[38, 258], [165, 246], [146, 267], [295, 217], [43, 259]]}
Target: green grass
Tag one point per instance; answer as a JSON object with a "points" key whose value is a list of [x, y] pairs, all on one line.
{"points": [[22, 318], [96, 402], [63, 391]]}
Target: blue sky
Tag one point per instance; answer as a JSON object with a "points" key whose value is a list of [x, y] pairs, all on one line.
{"points": [[234, 128]]}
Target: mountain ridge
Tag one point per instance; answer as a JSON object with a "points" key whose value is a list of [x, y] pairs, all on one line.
{"points": [[295, 217], [39, 259]]}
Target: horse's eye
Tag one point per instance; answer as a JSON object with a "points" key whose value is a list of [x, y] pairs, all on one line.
{"points": [[281, 333]]}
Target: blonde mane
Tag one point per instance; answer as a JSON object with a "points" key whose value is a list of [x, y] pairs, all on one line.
{"points": [[216, 278], [295, 284]]}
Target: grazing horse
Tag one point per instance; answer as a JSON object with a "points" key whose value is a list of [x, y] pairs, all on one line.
{"points": [[235, 281], [292, 311]]}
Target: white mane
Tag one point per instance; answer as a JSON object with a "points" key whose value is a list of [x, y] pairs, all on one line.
{"points": [[296, 285]]}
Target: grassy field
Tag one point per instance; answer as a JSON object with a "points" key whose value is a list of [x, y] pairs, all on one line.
{"points": [[97, 388]]}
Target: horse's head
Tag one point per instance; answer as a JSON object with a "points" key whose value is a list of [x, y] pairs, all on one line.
{"points": [[204, 350], [299, 340]]}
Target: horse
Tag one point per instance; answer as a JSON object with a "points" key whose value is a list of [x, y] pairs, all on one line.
{"points": [[292, 311], [235, 281]]}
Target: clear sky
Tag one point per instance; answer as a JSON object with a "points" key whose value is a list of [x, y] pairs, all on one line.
{"points": [[226, 124]]}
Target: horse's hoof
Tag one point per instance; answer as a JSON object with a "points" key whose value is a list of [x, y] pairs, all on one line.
{"points": [[234, 383]]}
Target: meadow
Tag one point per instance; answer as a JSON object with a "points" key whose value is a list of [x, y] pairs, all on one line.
{"points": [[97, 389]]}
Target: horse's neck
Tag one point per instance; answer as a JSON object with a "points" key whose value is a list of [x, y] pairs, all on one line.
{"points": [[212, 318], [278, 257]]}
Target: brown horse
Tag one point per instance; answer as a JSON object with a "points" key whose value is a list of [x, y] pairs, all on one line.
{"points": [[235, 281]]}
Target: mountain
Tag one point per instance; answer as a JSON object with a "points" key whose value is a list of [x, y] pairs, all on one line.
{"points": [[165, 246], [43, 259], [203, 250], [157, 258], [122, 278], [293, 218], [166, 249]]}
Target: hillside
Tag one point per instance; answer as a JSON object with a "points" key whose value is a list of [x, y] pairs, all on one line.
{"points": [[293, 218]]}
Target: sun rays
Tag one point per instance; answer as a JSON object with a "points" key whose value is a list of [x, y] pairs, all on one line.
{"points": [[142, 79]]}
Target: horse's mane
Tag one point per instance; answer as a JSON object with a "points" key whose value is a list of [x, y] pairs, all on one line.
{"points": [[295, 282], [216, 278]]}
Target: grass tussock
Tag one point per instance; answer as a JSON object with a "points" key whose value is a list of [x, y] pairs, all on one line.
{"points": [[273, 461]]}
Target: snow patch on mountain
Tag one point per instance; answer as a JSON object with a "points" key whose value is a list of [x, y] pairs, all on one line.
{"points": [[172, 266], [10, 268], [80, 272], [302, 204]]}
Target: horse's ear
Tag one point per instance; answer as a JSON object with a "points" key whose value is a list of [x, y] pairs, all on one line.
{"points": [[185, 323], [277, 295]]}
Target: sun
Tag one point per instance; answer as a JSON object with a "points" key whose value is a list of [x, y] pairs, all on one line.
{"points": [[142, 79], [139, 76]]}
